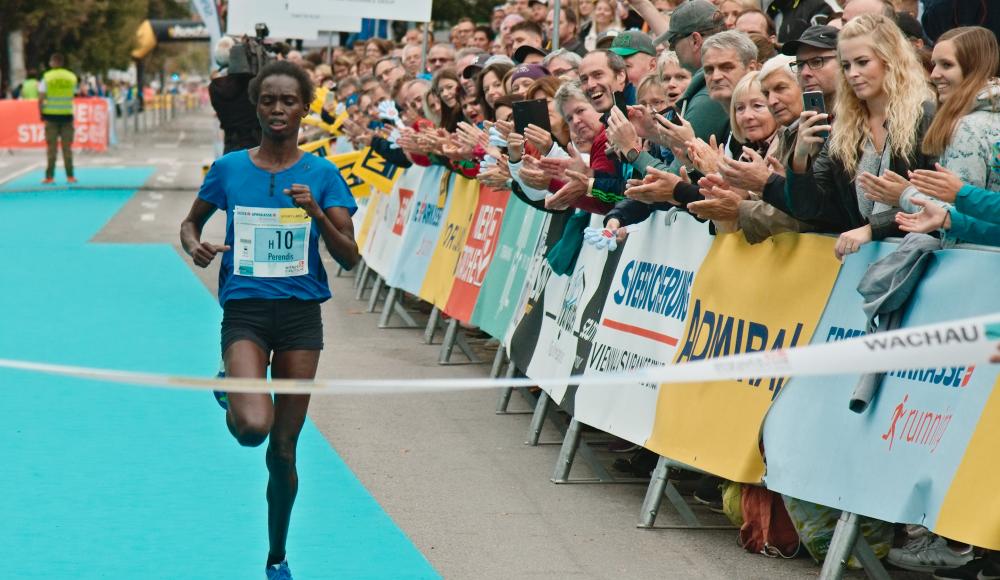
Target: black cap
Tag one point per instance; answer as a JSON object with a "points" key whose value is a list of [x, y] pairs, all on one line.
{"points": [[909, 25], [477, 65], [524, 50], [815, 36]]}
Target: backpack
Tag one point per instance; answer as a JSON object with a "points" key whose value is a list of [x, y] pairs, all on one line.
{"points": [[816, 524], [767, 529]]}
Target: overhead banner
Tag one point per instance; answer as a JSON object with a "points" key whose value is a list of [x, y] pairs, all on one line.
{"points": [[464, 195], [431, 203], [243, 16], [643, 321], [21, 125], [407, 10], [745, 299], [924, 451], [477, 255], [506, 279], [390, 222]]}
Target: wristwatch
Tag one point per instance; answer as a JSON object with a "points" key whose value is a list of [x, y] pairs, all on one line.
{"points": [[632, 154]]}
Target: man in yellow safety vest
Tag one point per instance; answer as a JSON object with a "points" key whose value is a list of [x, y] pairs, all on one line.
{"points": [[55, 99]]}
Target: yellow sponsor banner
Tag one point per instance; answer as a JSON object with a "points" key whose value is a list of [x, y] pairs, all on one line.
{"points": [[744, 299], [441, 272], [346, 162], [970, 511], [364, 232], [317, 105], [319, 147], [319, 122], [376, 171]]}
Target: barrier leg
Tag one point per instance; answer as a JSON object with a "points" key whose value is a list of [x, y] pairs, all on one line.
{"points": [[506, 392], [453, 338], [654, 494], [392, 306], [376, 293], [359, 292], [497, 362], [357, 272], [571, 442], [869, 561], [841, 546], [538, 418], [432, 324]]}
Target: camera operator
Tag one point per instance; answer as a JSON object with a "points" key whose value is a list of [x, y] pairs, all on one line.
{"points": [[231, 101]]}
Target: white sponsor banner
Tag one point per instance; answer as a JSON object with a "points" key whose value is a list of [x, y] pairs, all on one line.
{"points": [[410, 10], [210, 16], [391, 217], [282, 23], [642, 321], [566, 298], [970, 341]]}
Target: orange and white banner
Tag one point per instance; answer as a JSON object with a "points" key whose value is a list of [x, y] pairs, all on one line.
{"points": [[21, 125]]}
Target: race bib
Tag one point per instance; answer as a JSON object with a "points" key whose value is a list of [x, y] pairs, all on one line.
{"points": [[270, 242]]}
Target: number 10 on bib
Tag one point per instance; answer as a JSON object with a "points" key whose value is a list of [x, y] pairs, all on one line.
{"points": [[270, 242]]}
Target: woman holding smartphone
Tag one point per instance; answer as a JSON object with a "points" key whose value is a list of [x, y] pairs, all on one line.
{"points": [[883, 110]]}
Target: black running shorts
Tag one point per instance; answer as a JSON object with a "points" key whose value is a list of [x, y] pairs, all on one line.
{"points": [[274, 325]]}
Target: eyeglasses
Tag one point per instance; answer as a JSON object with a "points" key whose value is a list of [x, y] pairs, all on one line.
{"points": [[814, 63], [440, 60]]}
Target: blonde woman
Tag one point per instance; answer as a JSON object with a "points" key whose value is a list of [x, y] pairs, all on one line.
{"points": [[884, 107], [604, 18], [674, 77]]}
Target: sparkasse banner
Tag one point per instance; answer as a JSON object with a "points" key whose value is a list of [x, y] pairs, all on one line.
{"points": [[21, 125]]}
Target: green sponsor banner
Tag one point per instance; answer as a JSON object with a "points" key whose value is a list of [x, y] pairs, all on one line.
{"points": [[505, 279]]}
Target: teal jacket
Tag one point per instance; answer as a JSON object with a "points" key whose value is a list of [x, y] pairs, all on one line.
{"points": [[975, 218]]}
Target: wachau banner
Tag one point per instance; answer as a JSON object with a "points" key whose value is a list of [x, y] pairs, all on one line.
{"points": [[430, 204], [924, 452], [745, 299], [643, 321], [21, 125], [477, 255], [506, 279], [390, 223], [464, 196], [376, 171]]}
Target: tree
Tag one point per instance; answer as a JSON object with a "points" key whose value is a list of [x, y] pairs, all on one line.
{"points": [[452, 10]]}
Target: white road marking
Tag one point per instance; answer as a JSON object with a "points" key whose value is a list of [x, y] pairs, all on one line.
{"points": [[156, 196], [17, 174], [165, 178], [150, 204], [148, 217]]}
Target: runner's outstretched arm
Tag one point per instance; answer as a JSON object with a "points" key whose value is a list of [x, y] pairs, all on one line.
{"points": [[334, 224], [201, 252]]}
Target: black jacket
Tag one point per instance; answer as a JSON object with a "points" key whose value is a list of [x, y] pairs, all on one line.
{"points": [[826, 198], [797, 15]]}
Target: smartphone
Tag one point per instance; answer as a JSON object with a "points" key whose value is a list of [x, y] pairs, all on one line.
{"points": [[620, 103], [671, 115], [534, 112], [813, 101]]}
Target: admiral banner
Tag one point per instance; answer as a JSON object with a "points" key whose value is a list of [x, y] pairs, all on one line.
{"points": [[505, 281], [436, 287], [477, 255], [924, 452], [430, 204], [390, 222], [375, 171], [346, 163], [745, 299], [642, 321]]}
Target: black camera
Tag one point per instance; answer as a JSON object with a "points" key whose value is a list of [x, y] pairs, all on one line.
{"points": [[252, 54]]}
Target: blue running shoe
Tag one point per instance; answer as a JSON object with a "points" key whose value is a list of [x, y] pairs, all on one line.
{"points": [[279, 571], [222, 397]]}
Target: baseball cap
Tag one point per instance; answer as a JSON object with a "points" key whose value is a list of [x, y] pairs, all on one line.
{"points": [[475, 66], [531, 71], [524, 50], [690, 17], [605, 38], [542, 2], [815, 36], [631, 42]]}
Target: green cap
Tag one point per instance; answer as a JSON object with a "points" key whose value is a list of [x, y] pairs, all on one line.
{"points": [[631, 42]]}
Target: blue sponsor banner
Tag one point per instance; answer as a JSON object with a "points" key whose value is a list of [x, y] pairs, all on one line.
{"points": [[896, 460], [430, 206]]}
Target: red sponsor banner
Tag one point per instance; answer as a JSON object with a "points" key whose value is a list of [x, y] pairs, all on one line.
{"points": [[21, 125], [405, 196], [477, 253]]}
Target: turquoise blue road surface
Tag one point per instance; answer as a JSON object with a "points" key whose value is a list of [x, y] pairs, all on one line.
{"points": [[106, 481]]}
